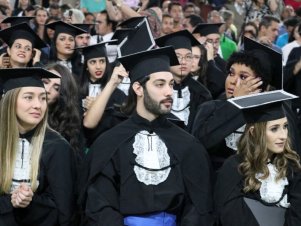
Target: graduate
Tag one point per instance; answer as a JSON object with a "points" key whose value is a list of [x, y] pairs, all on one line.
{"points": [[261, 184], [36, 163], [24, 46], [218, 124], [63, 46], [143, 171], [188, 94], [98, 91]]}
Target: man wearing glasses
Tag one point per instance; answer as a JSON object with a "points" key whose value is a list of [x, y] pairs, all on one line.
{"points": [[188, 94]]}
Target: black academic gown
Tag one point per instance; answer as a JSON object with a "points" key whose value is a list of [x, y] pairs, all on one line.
{"points": [[198, 95], [230, 207], [114, 192], [53, 202], [111, 117], [221, 63], [217, 119], [215, 79]]}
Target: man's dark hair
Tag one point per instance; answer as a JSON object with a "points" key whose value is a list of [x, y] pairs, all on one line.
{"points": [[109, 21], [266, 21], [194, 20], [170, 5]]}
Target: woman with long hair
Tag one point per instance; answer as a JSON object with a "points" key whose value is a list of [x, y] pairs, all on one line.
{"points": [[63, 46], [260, 185], [63, 109], [36, 163], [41, 15], [99, 93]]}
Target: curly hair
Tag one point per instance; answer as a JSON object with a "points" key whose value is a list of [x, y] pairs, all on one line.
{"points": [[252, 146], [250, 60], [64, 115]]}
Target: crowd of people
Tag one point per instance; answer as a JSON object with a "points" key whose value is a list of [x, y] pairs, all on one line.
{"points": [[150, 113]]}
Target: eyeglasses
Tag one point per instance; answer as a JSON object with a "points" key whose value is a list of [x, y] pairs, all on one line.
{"points": [[213, 42], [187, 58]]}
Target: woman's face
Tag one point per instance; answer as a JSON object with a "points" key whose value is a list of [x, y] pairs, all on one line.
{"points": [[31, 107], [196, 53], [96, 68], [20, 52], [41, 17], [52, 87], [237, 74], [276, 135], [65, 45]]}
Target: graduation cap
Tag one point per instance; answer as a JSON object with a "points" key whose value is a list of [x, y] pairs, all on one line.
{"points": [[271, 61], [147, 62], [21, 31], [62, 27], [205, 29], [181, 39], [136, 38], [121, 34], [85, 27], [14, 20], [13, 78], [97, 50], [262, 107]]}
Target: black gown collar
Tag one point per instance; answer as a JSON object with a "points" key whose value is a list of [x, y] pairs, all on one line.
{"points": [[150, 126], [182, 84], [28, 135]]}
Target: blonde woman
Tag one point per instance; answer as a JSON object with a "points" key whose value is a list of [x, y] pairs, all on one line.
{"points": [[261, 184], [36, 179]]}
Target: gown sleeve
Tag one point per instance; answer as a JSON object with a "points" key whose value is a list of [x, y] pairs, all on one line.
{"points": [[197, 175], [102, 206]]}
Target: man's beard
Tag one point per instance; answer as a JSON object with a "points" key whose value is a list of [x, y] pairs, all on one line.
{"points": [[153, 106]]}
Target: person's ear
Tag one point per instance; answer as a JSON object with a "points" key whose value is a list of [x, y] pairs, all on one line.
{"points": [[251, 130], [8, 51], [138, 89]]}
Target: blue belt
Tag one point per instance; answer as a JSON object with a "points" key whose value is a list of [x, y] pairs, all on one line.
{"points": [[158, 219]]}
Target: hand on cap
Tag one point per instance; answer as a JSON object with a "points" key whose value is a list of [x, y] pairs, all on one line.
{"points": [[4, 61], [36, 56], [118, 74], [248, 86]]}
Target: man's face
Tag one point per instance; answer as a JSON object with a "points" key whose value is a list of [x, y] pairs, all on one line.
{"points": [[214, 39], [185, 58], [167, 25], [176, 13], [158, 93], [102, 27], [82, 40], [187, 25], [272, 31]]}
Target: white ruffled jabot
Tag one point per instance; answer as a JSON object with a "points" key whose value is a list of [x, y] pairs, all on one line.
{"points": [[151, 153], [272, 190]]}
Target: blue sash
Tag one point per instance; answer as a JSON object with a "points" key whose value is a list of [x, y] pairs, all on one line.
{"points": [[158, 219]]}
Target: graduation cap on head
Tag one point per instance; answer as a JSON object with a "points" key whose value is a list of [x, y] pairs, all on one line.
{"points": [[147, 62], [271, 61], [262, 107], [13, 78], [21, 31], [14, 20], [207, 28], [85, 27], [97, 50], [136, 38], [62, 27], [181, 39]]}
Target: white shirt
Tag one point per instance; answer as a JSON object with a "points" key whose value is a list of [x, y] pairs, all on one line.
{"points": [[286, 50]]}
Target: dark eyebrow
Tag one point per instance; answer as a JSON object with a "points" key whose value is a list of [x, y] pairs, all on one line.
{"points": [[31, 93]]}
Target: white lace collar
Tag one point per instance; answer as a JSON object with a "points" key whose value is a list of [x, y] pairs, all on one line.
{"points": [[231, 140], [180, 106], [94, 89], [152, 154], [22, 164], [271, 190]]}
